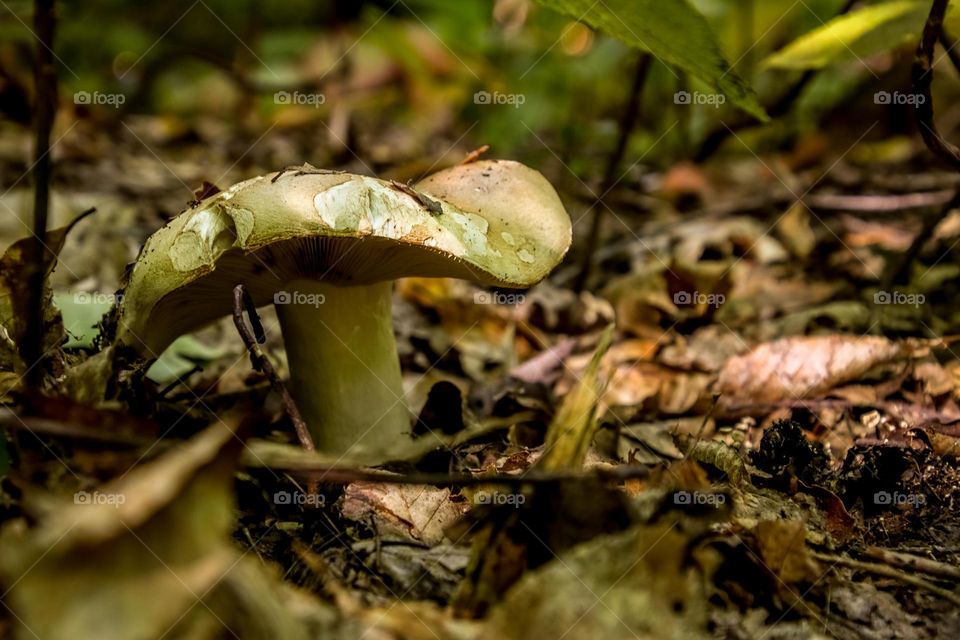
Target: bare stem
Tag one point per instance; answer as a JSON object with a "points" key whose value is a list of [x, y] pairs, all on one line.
{"points": [[45, 108], [253, 340], [627, 124], [922, 75]]}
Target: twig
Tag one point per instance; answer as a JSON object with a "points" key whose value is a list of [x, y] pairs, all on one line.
{"points": [[780, 107], [898, 268], [345, 475], [950, 46], [253, 340], [890, 572], [922, 75], [181, 379], [703, 425], [747, 14], [627, 123], [46, 100], [474, 155], [876, 203], [537, 368], [913, 563]]}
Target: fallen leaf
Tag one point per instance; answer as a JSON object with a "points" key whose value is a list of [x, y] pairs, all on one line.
{"points": [[417, 512], [572, 429], [783, 547], [795, 232], [640, 583], [15, 268], [132, 558], [805, 366]]}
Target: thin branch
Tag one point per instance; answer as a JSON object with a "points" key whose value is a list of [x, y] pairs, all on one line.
{"points": [[45, 108], [898, 269], [950, 46], [922, 75], [253, 339], [913, 563], [890, 572], [181, 380], [628, 122], [344, 475]]}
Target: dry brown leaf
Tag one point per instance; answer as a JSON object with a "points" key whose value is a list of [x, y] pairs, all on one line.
{"points": [[657, 388], [783, 548], [805, 366], [795, 232], [869, 233], [411, 511], [130, 558], [707, 349], [648, 584], [641, 301], [632, 386], [761, 291], [936, 380]]}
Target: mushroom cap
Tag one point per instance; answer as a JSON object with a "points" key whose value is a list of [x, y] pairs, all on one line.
{"points": [[493, 222]]}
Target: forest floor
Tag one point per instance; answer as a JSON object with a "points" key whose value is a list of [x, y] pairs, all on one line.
{"points": [[779, 420]]}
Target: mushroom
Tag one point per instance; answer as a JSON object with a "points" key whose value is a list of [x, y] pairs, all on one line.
{"points": [[324, 247]]}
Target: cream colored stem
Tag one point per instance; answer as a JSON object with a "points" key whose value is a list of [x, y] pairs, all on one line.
{"points": [[344, 370]]}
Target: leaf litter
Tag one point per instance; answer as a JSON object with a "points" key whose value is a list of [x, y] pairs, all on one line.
{"points": [[790, 470]]}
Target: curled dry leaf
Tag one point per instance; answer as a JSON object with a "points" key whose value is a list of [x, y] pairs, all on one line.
{"points": [[804, 366], [411, 511], [133, 558], [651, 387], [15, 265]]}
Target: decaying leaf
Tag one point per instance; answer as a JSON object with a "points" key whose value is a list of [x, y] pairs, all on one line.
{"points": [[640, 583], [795, 231], [144, 556], [783, 547], [15, 266], [575, 424], [804, 366], [417, 512]]}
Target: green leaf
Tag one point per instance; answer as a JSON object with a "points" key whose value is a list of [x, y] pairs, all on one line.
{"points": [[674, 32], [180, 357], [862, 33], [81, 313]]}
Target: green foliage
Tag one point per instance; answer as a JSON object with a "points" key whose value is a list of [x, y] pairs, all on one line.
{"points": [[866, 31], [672, 31], [81, 313]]}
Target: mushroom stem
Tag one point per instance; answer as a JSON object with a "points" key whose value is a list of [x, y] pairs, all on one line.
{"points": [[344, 370]]}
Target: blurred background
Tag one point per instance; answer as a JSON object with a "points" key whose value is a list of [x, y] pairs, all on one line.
{"points": [[155, 100]]}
